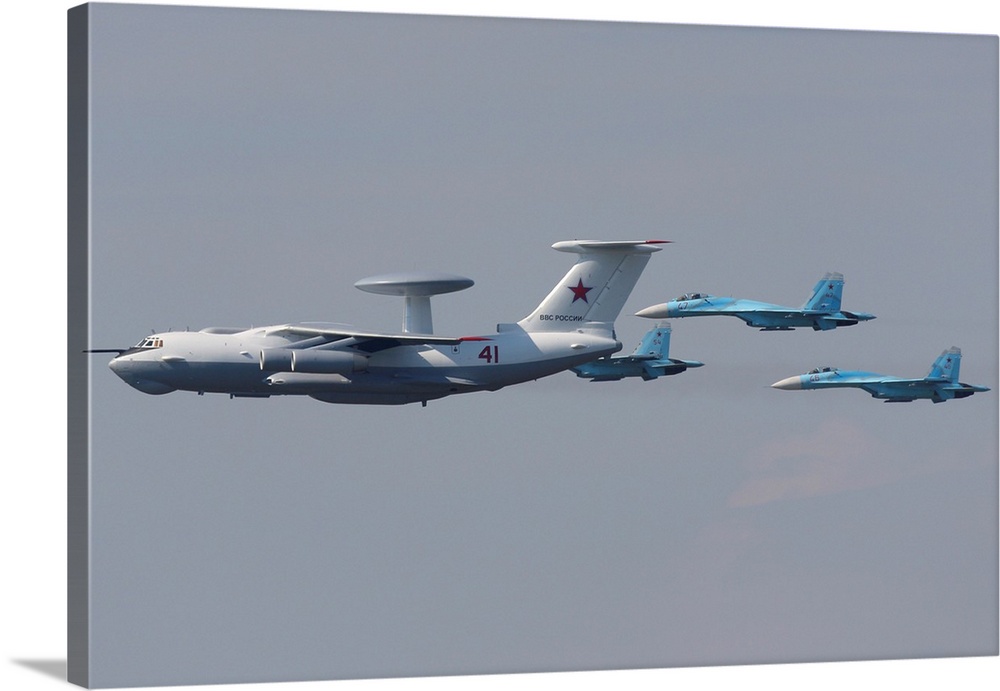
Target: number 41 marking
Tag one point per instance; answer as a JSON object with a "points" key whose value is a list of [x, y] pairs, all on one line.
{"points": [[491, 354]]}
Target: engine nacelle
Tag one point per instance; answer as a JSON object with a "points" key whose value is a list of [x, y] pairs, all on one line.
{"points": [[276, 360], [327, 361]]}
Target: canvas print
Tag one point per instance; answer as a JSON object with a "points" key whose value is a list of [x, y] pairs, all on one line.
{"points": [[417, 345]]}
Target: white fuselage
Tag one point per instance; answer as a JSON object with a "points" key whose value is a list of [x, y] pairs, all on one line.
{"points": [[573, 324], [212, 362]]}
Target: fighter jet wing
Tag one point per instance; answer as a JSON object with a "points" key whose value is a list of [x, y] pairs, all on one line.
{"points": [[370, 342], [892, 386], [787, 312]]}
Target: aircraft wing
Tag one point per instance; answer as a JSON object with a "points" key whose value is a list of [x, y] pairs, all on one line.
{"points": [[785, 311], [745, 305], [369, 342], [758, 313], [895, 387], [938, 389]]}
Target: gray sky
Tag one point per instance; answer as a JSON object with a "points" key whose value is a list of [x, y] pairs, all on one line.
{"points": [[250, 166]]}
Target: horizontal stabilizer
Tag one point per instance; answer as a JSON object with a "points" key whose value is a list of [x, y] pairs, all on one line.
{"points": [[631, 246]]}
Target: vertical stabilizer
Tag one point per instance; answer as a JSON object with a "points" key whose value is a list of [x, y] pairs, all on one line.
{"points": [[827, 294], [594, 291], [655, 344], [947, 364]]}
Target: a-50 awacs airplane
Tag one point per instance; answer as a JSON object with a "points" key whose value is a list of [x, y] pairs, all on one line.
{"points": [[821, 311], [649, 360], [339, 364], [940, 385]]}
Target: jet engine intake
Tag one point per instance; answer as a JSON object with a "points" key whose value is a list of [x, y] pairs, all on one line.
{"points": [[276, 360]]}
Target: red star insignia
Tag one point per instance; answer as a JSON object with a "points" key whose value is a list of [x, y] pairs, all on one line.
{"points": [[579, 291]]}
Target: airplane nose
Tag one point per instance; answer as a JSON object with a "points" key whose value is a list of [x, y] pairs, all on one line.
{"points": [[653, 312], [137, 375], [124, 368], [789, 384]]}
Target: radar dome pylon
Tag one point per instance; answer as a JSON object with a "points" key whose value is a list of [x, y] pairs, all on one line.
{"points": [[416, 288]]}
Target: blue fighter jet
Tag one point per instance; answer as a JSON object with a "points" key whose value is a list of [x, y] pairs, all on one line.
{"points": [[822, 311], [649, 360], [940, 385]]}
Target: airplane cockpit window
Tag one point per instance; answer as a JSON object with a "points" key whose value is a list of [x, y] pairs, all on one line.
{"points": [[820, 370], [690, 296], [149, 343]]}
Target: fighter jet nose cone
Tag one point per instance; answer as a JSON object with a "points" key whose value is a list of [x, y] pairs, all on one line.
{"points": [[789, 384], [653, 312]]}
